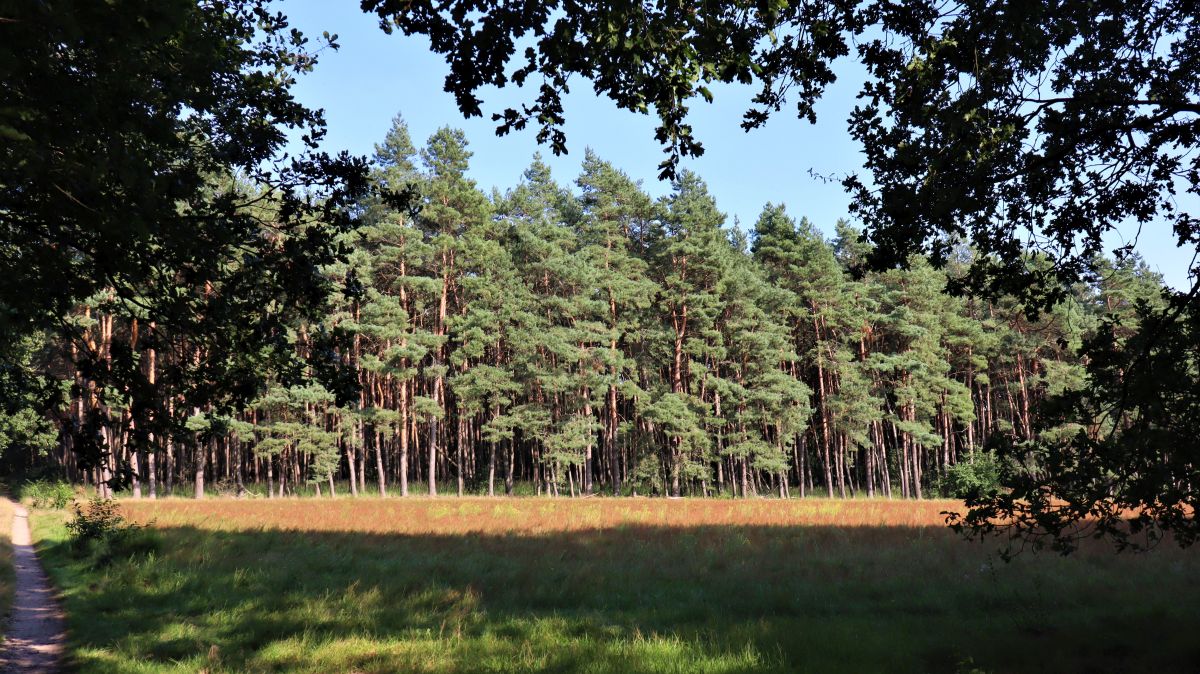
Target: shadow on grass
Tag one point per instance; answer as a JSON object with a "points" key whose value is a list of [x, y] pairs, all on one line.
{"points": [[625, 599]]}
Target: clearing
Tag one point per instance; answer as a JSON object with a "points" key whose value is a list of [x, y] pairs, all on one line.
{"points": [[609, 585]]}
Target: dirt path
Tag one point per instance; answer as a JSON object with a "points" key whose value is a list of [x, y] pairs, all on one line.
{"points": [[35, 635]]}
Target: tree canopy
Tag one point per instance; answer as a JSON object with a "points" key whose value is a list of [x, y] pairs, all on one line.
{"points": [[142, 170]]}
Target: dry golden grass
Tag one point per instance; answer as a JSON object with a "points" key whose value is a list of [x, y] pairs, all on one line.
{"points": [[528, 515]]}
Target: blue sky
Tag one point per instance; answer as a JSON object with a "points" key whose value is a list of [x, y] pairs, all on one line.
{"points": [[375, 76]]}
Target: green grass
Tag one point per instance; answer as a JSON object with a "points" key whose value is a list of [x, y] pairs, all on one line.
{"points": [[623, 597], [7, 573]]}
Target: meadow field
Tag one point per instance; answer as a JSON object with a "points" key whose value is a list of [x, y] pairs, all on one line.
{"points": [[609, 585]]}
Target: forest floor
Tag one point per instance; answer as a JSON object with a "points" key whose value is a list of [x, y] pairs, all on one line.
{"points": [[609, 585]]}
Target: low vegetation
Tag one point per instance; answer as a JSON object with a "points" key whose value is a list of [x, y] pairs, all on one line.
{"points": [[607, 585], [53, 494], [100, 534], [7, 573]]}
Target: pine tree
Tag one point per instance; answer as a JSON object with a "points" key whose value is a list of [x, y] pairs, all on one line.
{"points": [[799, 260], [451, 205], [615, 219], [691, 257]]}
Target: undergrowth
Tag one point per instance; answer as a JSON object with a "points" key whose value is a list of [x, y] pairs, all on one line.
{"points": [[101, 534]]}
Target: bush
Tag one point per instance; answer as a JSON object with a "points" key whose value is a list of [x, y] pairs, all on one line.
{"points": [[647, 477], [49, 494], [229, 487], [977, 474], [101, 533]]}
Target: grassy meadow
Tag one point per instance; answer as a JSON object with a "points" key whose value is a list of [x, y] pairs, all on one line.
{"points": [[609, 585]]}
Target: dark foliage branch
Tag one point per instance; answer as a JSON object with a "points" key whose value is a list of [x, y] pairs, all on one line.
{"points": [[1051, 125], [658, 57], [128, 131]]}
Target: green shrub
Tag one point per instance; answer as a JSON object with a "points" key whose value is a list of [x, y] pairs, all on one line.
{"points": [[49, 494], [100, 533], [647, 477], [977, 474]]}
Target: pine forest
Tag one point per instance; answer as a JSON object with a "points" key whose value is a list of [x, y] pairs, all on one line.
{"points": [[584, 338]]}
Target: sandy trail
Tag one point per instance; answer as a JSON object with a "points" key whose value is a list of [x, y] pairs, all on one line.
{"points": [[35, 635]]}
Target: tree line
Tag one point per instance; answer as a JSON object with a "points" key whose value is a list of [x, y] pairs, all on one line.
{"points": [[591, 339]]}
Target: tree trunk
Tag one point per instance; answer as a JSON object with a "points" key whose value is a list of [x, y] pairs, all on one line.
{"points": [[460, 453], [510, 468], [404, 438], [586, 478], [433, 432], [201, 457], [135, 466], [350, 453], [380, 477], [610, 440], [151, 468], [825, 432]]}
